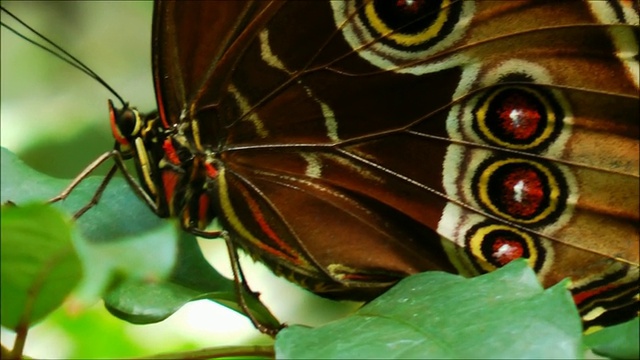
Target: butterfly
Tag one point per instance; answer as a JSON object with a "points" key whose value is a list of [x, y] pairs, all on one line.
{"points": [[349, 144]]}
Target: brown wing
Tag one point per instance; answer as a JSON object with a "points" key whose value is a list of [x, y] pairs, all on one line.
{"points": [[375, 139]]}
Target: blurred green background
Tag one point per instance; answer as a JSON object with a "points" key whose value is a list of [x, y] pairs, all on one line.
{"points": [[46, 103], [55, 118]]}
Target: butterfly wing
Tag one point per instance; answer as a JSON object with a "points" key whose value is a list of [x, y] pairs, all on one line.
{"points": [[361, 141]]}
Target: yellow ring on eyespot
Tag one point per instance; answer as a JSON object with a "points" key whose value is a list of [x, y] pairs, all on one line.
{"points": [[485, 198], [408, 40], [481, 115], [475, 245]]}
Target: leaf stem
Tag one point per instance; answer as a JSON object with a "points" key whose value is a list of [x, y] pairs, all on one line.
{"points": [[218, 352], [21, 337]]}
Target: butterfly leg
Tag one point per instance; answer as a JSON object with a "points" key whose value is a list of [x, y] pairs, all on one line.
{"points": [[98, 194], [239, 281], [241, 285], [119, 164]]}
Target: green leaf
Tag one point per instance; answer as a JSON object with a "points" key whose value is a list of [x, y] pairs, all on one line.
{"points": [[146, 256], [119, 237], [193, 278], [618, 342], [503, 314], [39, 265]]}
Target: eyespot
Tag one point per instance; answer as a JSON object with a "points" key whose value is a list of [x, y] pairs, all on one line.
{"points": [[514, 108], [399, 35], [410, 24], [491, 246], [520, 190], [522, 118]]}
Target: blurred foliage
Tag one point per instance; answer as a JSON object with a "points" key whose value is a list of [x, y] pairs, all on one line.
{"points": [[39, 264], [51, 110]]}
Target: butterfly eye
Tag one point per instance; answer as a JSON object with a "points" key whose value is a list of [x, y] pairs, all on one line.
{"points": [[129, 122], [125, 123]]}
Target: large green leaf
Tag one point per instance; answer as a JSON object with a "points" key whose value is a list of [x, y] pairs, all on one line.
{"points": [[504, 314], [118, 237], [119, 214], [39, 265], [193, 278]]}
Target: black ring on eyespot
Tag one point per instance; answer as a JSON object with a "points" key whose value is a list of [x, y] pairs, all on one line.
{"points": [[414, 27], [522, 118]]}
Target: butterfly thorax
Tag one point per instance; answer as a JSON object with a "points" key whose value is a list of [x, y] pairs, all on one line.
{"points": [[173, 173]]}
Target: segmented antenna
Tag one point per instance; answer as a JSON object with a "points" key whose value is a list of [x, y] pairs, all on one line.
{"points": [[52, 48]]}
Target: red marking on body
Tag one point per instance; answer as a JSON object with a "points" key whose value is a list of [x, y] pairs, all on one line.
{"points": [[211, 170], [587, 294], [203, 207], [530, 190], [505, 250], [527, 113], [169, 181], [114, 127], [170, 151]]}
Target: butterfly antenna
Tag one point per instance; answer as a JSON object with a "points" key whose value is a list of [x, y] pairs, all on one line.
{"points": [[57, 51]]}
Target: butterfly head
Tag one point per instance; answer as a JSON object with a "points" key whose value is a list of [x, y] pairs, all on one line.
{"points": [[126, 124]]}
